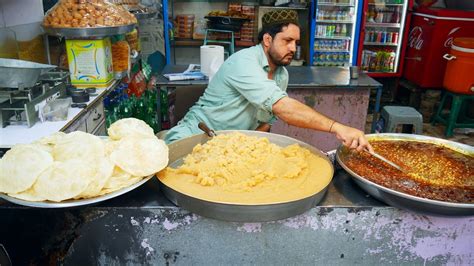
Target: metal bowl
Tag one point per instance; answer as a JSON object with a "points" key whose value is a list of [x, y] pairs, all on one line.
{"points": [[89, 32], [16, 73], [237, 212], [404, 200]]}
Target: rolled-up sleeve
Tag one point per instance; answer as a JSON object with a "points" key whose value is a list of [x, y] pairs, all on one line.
{"points": [[251, 82]]}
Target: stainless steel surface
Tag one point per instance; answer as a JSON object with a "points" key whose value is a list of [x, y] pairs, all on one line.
{"points": [[237, 212], [20, 106], [404, 200], [299, 77], [380, 157], [54, 76], [327, 77], [74, 203], [89, 32], [16, 73]]}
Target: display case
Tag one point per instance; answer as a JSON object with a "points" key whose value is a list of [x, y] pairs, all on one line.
{"points": [[383, 37], [335, 28]]}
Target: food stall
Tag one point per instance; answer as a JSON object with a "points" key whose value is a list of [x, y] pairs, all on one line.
{"points": [[231, 196]]}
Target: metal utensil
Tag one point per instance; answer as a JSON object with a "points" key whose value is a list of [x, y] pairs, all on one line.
{"points": [[402, 199], [240, 212], [16, 73], [380, 157], [211, 133]]}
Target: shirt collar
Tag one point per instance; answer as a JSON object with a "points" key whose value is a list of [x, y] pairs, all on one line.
{"points": [[264, 60]]}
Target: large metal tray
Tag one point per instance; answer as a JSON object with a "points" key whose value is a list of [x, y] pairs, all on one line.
{"points": [[74, 203], [403, 200], [89, 32], [236, 212], [16, 73]]}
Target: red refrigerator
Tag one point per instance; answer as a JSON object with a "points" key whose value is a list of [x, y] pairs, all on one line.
{"points": [[383, 37], [431, 34]]}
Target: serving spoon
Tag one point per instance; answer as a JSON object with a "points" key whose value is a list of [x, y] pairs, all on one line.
{"points": [[380, 157], [211, 133]]}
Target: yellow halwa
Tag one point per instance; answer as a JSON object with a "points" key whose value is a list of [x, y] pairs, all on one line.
{"points": [[240, 169]]}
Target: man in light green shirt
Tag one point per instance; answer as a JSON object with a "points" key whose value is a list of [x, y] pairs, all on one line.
{"points": [[249, 90]]}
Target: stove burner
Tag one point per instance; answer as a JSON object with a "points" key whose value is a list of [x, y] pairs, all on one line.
{"points": [[21, 105]]}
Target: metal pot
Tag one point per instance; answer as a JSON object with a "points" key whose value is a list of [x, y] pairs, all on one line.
{"points": [[404, 200], [225, 23], [235, 212], [79, 96]]}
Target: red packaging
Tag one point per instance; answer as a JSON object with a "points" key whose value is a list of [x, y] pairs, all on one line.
{"points": [[395, 37], [431, 35]]}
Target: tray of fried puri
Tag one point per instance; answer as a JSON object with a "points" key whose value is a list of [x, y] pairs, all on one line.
{"points": [[77, 168]]}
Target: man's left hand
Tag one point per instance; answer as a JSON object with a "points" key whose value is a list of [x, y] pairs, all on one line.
{"points": [[351, 137]]}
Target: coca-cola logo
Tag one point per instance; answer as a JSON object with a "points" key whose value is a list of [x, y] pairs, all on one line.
{"points": [[449, 40], [414, 39]]}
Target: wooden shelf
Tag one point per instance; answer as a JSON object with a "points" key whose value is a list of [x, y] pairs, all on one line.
{"points": [[192, 42]]}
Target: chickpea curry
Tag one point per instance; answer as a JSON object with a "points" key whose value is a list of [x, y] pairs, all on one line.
{"points": [[432, 171]]}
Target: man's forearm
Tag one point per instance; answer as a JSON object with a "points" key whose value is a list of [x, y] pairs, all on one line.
{"points": [[298, 114]]}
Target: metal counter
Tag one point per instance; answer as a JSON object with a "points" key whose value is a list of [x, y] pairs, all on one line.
{"points": [[143, 228]]}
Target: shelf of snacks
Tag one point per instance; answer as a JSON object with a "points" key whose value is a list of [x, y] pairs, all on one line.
{"points": [[379, 60]]}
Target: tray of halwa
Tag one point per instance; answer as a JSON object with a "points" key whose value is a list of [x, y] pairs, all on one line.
{"points": [[245, 176], [74, 169], [438, 174], [91, 18]]}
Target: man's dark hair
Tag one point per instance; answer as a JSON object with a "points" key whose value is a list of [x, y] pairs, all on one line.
{"points": [[273, 30]]}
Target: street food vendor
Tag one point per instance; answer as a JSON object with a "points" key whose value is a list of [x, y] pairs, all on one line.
{"points": [[248, 91]]}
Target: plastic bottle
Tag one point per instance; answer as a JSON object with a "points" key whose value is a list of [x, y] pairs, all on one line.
{"points": [[344, 30]]}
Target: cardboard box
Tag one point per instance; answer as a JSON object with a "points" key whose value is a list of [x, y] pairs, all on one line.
{"points": [[90, 62]]}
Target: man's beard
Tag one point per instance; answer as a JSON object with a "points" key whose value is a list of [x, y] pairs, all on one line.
{"points": [[279, 61]]}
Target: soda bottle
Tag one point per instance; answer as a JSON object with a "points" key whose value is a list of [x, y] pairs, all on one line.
{"points": [[344, 30], [392, 61]]}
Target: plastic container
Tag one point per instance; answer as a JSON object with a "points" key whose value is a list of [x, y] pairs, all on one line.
{"points": [[8, 44], [56, 110], [459, 76]]}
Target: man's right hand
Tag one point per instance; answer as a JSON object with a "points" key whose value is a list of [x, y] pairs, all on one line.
{"points": [[351, 137]]}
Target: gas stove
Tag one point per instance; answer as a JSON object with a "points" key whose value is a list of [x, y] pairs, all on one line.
{"points": [[21, 105]]}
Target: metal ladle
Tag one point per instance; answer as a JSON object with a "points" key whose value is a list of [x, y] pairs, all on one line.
{"points": [[206, 129], [380, 157]]}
